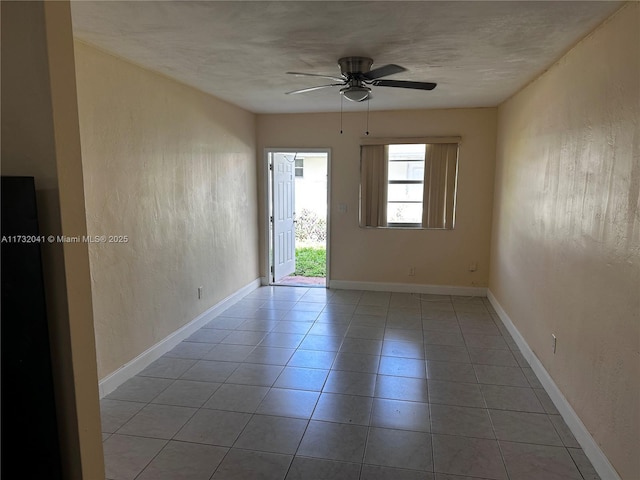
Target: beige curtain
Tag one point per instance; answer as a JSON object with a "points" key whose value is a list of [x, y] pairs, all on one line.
{"points": [[440, 169], [373, 185]]}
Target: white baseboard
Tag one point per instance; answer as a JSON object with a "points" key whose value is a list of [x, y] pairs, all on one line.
{"points": [[591, 449], [409, 288], [142, 361]]}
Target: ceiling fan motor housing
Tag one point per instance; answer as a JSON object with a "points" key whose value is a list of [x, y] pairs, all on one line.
{"points": [[354, 65]]}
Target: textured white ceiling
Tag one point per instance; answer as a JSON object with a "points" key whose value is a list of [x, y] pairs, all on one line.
{"points": [[478, 52]]}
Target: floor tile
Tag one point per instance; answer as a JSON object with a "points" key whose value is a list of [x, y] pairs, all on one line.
{"points": [[351, 409], [532, 462], [524, 427], [309, 304], [444, 476], [402, 367], [485, 341], [399, 448], [213, 427], [492, 356], [288, 403], [355, 362], [272, 434], [270, 355], [312, 359], [157, 421], [255, 374], [445, 326], [339, 308], [452, 393], [583, 464], [115, 413], [299, 378], [402, 388], [237, 398], [368, 320], [400, 415], [446, 353], [486, 327], [321, 342], [225, 322], [253, 325], [140, 389], [374, 298], [511, 398], [209, 335], [244, 338], [473, 457], [363, 346], [187, 393], [248, 465], [328, 329], [499, 375], [189, 350], [443, 338], [532, 378], [283, 340], [403, 349], [434, 314], [546, 401], [335, 318], [563, 431], [350, 383], [268, 314], [125, 456], [402, 335], [319, 469], [363, 331], [210, 371], [376, 472], [184, 461], [451, 372], [465, 421], [399, 299], [334, 441], [229, 353]]}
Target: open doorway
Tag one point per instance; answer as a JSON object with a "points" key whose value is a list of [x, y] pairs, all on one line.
{"points": [[298, 220]]}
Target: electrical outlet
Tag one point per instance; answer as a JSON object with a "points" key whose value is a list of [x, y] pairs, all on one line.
{"points": [[554, 342], [412, 271], [199, 293], [473, 266]]}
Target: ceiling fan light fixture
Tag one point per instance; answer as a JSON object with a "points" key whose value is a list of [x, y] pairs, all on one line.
{"points": [[356, 93]]}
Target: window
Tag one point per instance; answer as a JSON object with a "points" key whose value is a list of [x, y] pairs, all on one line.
{"points": [[299, 167], [408, 185], [405, 185]]}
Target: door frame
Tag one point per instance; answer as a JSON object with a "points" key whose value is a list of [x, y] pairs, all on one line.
{"points": [[267, 208]]}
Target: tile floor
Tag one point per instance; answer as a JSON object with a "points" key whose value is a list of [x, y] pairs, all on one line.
{"points": [[308, 383]]}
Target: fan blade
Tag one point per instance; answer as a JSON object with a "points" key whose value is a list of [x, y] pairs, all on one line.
{"points": [[311, 89], [404, 84], [383, 71], [330, 77]]}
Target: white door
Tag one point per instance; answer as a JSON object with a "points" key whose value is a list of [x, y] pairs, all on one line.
{"points": [[284, 235]]}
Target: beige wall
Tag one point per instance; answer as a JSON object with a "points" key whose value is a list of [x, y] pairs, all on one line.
{"points": [[40, 138], [566, 236], [385, 255], [174, 170]]}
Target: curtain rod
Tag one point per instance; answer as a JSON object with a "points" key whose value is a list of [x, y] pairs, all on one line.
{"points": [[401, 140]]}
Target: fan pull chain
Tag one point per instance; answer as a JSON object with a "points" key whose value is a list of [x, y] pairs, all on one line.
{"points": [[367, 132], [341, 114]]}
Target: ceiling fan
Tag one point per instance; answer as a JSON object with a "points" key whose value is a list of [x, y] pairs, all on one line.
{"points": [[356, 76]]}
